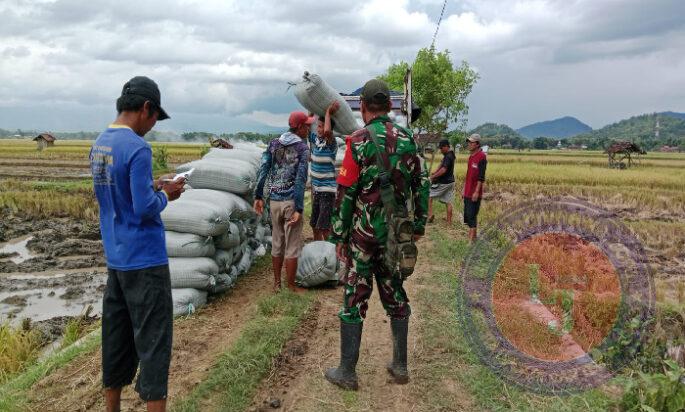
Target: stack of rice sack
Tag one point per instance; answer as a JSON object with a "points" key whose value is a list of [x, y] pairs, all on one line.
{"points": [[213, 235]]}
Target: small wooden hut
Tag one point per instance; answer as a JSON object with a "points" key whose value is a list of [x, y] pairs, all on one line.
{"points": [[623, 154], [44, 140]]}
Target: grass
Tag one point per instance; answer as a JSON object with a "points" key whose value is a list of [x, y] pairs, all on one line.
{"points": [[233, 380], [442, 335], [18, 348], [79, 150], [13, 393], [75, 329]]}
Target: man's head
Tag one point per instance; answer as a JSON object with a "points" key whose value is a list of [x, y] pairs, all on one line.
{"points": [[473, 142], [444, 146], [375, 99], [300, 123], [320, 125], [140, 103]]}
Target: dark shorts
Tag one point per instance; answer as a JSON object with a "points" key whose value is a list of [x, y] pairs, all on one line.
{"points": [[137, 328], [471, 209], [322, 207]]}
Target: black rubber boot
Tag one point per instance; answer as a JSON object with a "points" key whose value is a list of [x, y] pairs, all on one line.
{"points": [[345, 375], [398, 367]]}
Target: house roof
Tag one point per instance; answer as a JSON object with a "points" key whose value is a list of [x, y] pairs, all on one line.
{"points": [[624, 146], [47, 136]]}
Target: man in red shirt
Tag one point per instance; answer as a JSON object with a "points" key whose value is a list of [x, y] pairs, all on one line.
{"points": [[473, 183]]}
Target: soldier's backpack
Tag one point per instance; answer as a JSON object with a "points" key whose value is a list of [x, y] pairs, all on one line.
{"points": [[401, 252]]}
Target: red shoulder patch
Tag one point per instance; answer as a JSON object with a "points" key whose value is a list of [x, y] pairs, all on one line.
{"points": [[349, 171]]}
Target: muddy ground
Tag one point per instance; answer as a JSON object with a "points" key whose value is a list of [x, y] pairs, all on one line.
{"points": [[49, 268]]}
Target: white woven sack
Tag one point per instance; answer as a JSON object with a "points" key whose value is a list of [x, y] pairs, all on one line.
{"points": [[245, 262], [224, 282], [203, 218], [317, 264], [250, 156], [230, 239], [316, 95], [250, 147], [235, 206], [226, 258], [188, 245], [196, 273], [186, 301], [235, 176]]}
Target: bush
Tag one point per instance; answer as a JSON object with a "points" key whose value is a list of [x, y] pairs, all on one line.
{"points": [[18, 348], [656, 392], [160, 157]]}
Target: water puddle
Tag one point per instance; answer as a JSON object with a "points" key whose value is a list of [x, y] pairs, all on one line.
{"points": [[31, 276], [17, 250], [45, 297]]}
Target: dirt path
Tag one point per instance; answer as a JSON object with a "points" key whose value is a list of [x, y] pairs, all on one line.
{"points": [[296, 381], [198, 341]]}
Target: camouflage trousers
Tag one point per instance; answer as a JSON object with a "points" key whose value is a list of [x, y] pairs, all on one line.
{"points": [[359, 285]]}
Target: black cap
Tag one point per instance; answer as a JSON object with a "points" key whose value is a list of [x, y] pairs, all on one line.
{"points": [[147, 88], [443, 143], [375, 91]]}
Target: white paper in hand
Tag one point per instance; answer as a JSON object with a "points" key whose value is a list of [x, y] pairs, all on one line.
{"points": [[185, 175]]}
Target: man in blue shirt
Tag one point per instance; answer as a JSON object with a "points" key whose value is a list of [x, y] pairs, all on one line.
{"points": [[137, 314]]}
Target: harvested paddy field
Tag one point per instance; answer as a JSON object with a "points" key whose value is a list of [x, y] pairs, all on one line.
{"points": [[251, 350]]}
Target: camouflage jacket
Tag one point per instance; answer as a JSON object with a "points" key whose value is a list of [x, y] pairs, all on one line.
{"points": [[359, 215]]}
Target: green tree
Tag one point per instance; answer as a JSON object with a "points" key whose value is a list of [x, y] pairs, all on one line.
{"points": [[438, 88], [540, 143]]}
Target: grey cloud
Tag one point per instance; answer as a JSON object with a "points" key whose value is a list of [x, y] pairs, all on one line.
{"points": [[218, 60]]}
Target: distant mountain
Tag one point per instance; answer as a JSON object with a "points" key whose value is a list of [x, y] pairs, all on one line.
{"points": [[557, 128], [499, 135], [494, 130], [674, 115], [638, 129]]}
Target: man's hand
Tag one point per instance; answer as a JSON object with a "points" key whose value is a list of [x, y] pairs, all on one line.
{"points": [[258, 206], [160, 180], [294, 218], [417, 237], [174, 188], [475, 196], [333, 107]]}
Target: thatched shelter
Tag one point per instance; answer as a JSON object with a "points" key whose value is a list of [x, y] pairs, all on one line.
{"points": [[44, 140], [619, 152], [221, 143]]}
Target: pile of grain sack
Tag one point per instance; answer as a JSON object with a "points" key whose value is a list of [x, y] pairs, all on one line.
{"points": [[212, 232]]}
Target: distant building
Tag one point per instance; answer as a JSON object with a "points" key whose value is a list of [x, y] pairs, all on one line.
{"points": [[669, 149], [44, 140]]}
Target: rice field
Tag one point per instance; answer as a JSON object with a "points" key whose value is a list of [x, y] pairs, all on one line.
{"points": [[649, 198]]}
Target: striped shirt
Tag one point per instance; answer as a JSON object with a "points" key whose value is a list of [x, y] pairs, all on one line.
{"points": [[323, 164]]}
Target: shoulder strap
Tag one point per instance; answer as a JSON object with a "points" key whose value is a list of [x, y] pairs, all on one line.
{"points": [[386, 187]]}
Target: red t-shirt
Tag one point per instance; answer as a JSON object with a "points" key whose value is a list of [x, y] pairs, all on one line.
{"points": [[475, 171]]}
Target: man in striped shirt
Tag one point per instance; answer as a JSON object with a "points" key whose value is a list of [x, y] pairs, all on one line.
{"points": [[323, 149]]}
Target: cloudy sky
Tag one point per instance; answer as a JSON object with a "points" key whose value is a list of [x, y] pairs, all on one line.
{"points": [[224, 65]]}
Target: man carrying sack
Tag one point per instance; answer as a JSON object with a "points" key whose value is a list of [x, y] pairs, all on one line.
{"points": [[381, 176]]}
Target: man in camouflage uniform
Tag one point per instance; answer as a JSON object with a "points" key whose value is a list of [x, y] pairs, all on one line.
{"points": [[360, 229]]}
